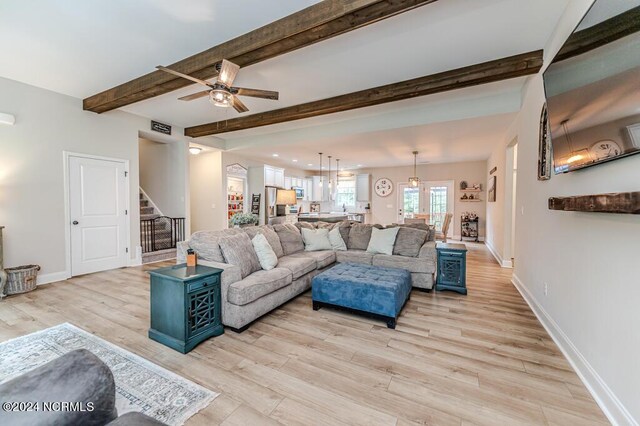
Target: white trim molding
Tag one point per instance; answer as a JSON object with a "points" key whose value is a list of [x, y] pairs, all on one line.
{"points": [[503, 263], [52, 277], [604, 396]]}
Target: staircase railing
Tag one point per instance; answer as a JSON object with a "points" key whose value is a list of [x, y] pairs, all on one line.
{"points": [[161, 233]]}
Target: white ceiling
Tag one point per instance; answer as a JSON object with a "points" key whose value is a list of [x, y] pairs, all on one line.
{"points": [[80, 48]]}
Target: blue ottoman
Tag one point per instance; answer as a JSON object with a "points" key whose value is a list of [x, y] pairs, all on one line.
{"points": [[375, 291]]}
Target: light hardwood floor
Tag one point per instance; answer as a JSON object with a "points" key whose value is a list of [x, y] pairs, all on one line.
{"points": [[481, 359]]}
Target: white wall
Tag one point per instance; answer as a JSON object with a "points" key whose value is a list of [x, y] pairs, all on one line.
{"points": [[32, 171], [384, 210], [588, 260], [163, 174]]}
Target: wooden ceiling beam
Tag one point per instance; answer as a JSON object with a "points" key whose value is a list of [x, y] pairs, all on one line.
{"points": [[318, 22], [487, 72], [600, 34]]}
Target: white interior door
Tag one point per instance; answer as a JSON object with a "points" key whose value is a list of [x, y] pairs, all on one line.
{"points": [[97, 210]]}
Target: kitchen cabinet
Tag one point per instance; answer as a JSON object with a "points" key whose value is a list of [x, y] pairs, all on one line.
{"points": [[273, 176], [279, 177], [308, 189], [363, 187], [287, 182]]}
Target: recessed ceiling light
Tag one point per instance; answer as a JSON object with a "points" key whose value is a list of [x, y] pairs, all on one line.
{"points": [[309, 164], [359, 165], [294, 160], [274, 155], [194, 150]]}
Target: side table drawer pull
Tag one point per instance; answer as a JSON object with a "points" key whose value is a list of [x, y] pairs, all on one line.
{"points": [[452, 253]]}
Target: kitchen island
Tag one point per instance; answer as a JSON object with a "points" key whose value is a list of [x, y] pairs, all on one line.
{"points": [[331, 217]]}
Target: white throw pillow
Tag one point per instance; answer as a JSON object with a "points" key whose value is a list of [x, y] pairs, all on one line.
{"points": [[337, 243], [382, 240], [316, 239], [266, 256]]}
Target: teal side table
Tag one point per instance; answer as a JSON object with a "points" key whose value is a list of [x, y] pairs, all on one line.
{"points": [[452, 267], [185, 306]]}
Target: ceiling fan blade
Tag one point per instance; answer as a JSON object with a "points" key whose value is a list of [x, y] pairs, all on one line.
{"points": [[256, 93], [179, 74], [195, 96], [228, 72], [238, 105]]}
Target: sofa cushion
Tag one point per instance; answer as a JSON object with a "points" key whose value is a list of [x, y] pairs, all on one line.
{"points": [[411, 264], [409, 241], [290, 238], [382, 240], [270, 235], [359, 236], [238, 250], [323, 258], [258, 284], [306, 225], [354, 256], [266, 256], [431, 229], [298, 265], [206, 244], [315, 239], [344, 227]]}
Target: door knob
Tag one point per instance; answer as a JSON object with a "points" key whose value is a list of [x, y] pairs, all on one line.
{"points": [[75, 222]]}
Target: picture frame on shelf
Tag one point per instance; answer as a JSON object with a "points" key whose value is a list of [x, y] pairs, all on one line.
{"points": [[314, 208]]}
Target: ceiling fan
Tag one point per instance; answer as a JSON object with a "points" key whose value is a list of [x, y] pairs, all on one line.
{"points": [[222, 93]]}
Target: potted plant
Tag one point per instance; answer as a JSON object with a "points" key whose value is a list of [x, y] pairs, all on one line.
{"points": [[240, 220]]}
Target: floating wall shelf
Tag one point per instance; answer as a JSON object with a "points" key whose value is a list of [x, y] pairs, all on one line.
{"points": [[620, 202]]}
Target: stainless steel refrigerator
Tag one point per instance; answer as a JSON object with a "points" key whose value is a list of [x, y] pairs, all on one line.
{"points": [[271, 211]]}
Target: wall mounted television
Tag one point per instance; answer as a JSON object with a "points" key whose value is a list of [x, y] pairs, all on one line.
{"points": [[593, 88]]}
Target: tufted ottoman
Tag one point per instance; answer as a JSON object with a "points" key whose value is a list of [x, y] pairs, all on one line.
{"points": [[375, 291]]}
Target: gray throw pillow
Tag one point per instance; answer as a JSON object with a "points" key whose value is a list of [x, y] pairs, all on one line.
{"points": [[305, 225], [345, 227], [270, 235], [359, 236], [290, 238], [206, 243], [409, 241], [238, 250]]}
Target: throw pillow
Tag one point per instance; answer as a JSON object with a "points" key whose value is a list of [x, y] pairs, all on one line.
{"points": [[359, 236], [382, 240], [316, 239], [337, 243], [207, 243], [290, 238], [270, 235], [409, 241], [266, 256], [238, 250]]}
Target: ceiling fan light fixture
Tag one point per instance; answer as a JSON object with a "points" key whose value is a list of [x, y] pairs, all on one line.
{"points": [[220, 98]]}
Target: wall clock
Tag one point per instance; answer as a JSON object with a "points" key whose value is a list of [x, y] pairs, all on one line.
{"points": [[383, 187], [605, 149]]}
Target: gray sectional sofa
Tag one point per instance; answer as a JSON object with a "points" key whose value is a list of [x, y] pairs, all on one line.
{"points": [[247, 295]]}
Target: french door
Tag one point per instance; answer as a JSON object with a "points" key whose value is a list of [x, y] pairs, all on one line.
{"points": [[98, 214], [433, 199]]}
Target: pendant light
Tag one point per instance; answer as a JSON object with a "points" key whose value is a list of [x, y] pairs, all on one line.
{"points": [[337, 173], [574, 156], [321, 177], [414, 180], [329, 174]]}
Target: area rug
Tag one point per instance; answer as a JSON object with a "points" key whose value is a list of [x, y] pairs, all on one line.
{"points": [[140, 385]]}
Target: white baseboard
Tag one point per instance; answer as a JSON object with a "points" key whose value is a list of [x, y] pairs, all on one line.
{"points": [[604, 396], [503, 263], [52, 277], [457, 237], [137, 260]]}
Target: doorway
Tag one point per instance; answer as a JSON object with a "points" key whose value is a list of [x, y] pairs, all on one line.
{"points": [[511, 175], [98, 213], [433, 199]]}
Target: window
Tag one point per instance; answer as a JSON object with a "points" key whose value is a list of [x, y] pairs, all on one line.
{"points": [[438, 205], [346, 193]]}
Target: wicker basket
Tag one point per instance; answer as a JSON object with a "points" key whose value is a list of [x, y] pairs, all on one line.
{"points": [[21, 279]]}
